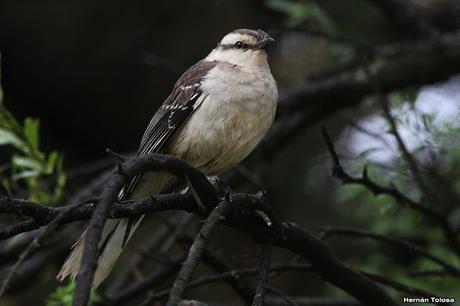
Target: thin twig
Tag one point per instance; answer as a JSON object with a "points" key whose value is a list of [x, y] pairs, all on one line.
{"points": [[196, 250], [150, 245], [331, 231], [18, 228], [330, 268], [449, 232], [264, 272], [404, 16], [282, 295], [217, 261], [427, 211], [120, 158], [429, 273], [284, 267], [231, 275], [402, 287], [239, 273], [137, 289], [313, 301], [33, 246], [413, 166]]}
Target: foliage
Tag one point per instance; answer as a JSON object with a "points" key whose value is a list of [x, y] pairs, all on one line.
{"points": [[434, 144], [300, 11], [29, 167], [63, 295]]}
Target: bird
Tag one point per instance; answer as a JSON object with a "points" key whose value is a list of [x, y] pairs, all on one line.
{"points": [[218, 111]]}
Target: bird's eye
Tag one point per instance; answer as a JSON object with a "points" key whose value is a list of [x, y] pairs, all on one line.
{"points": [[239, 44]]}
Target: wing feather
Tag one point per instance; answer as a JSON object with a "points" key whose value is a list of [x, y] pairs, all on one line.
{"points": [[177, 108], [175, 111]]}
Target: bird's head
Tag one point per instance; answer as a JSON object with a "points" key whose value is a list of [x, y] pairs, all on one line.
{"points": [[242, 47]]}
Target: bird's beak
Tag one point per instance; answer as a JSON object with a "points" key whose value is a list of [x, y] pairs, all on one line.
{"points": [[263, 44]]}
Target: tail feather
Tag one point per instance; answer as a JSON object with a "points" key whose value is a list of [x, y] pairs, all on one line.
{"points": [[113, 238], [72, 263], [111, 247]]}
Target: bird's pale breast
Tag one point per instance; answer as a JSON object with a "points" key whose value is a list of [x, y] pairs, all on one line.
{"points": [[237, 110]]}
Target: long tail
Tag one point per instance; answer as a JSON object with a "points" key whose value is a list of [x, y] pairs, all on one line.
{"points": [[113, 237], [110, 248]]}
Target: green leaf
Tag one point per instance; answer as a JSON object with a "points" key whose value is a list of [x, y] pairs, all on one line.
{"points": [[61, 180], [31, 128], [316, 13], [1, 90], [63, 295], [350, 193], [296, 11], [284, 6], [27, 163], [301, 11], [51, 163], [7, 121], [9, 138], [25, 174]]}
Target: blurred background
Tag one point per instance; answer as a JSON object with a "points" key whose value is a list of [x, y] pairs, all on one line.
{"points": [[94, 72]]}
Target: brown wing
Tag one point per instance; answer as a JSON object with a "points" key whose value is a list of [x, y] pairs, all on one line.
{"points": [[184, 99], [177, 108]]}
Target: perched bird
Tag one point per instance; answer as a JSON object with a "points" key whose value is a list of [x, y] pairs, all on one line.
{"points": [[218, 111]]}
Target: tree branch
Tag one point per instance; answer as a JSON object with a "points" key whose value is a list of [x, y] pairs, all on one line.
{"points": [[264, 272], [430, 213], [120, 178], [133, 291], [286, 235], [217, 261], [330, 268], [33, 246], [435, 58], [332, 231], [402, 14], [217, 215], [286, 298]]}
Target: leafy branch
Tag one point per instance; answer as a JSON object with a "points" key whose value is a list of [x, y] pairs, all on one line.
{"points": [[29, 168]]}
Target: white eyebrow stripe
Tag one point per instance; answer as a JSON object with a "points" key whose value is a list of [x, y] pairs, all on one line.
{"points": [[232, 38]]}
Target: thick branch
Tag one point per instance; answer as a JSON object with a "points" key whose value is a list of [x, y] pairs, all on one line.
{"points": [[396, 66], [330, 268], [331, 231], [126, 171], [293, 238], [409, 63], [402, 14]]}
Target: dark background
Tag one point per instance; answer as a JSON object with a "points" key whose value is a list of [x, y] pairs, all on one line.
{"points": [[94, 72]]}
